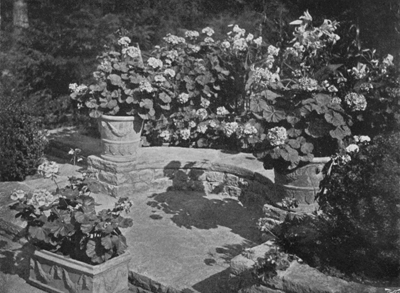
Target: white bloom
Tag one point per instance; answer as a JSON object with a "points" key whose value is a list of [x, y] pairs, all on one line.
{"points": [[192, 124], [208, 31], [212, 124], [17, 194], [273, 50], [132, 52], [154, 62], [225, 45], [240, 44], [174, 40], [145, 86], [172, 54], [388, 61], [352, 148], [277, 135], [202, 128], [258, 41], [124, 41], [191, 34], [169, 72], [73, 86], [202, 113], [249, 37], [356, 102], [222, 111], [230, 128], [194, 48], [208, 40], [332, 89], [183, 98], [159, 78], [48, 169], [204, 103], [249, 129], [185, 133], [166, 135], [239, 32]]}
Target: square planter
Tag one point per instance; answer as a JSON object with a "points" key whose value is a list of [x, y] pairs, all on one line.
{"points": [[56, 273]]}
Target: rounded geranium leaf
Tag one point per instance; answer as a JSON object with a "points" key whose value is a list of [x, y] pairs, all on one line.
{"points": [[307, 148], [273, 115], [115, 79], [334, 118]]}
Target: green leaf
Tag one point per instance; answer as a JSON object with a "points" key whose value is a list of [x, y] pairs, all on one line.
{"points": [[270, 95], [115, 79], [323, 99], [334, 118], [273, 115], [106, 242], [340, 132], [165, 98], [146, 103], [91, 248], [307, 148], [38, 233]]}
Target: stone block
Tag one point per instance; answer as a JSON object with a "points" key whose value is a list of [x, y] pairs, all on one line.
{"points": [[101, 164], [232, 191], [140, 186], [162, 183], [232, 180], [274, 212], [159, 173], [215, 176], [113, 178], [146, 175], [240, 264]]}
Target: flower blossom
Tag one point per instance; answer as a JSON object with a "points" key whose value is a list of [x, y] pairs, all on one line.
{"points": [[273, 50], [362, 138], [41, 197], [238, 31], [185, 133], [277, 136], [225, 45], [208, 40], [124, 41], [191, 34], [194, 48], [166, 135], [202, 113], [258, 41], [249, 37], [336, 100], [356, 102], [308, 84], [154, 62], [159, 78], [132, 52], [145, 86], [208, 31], [48, 169], [17, 195], [230, 128], [183, 98], [352, 148], [204, 103], [360, 71], [202, 128], [174, 40], [192, 124], [249, 129], [169, 72], [388, 61], [222, 111], [240, 44]]}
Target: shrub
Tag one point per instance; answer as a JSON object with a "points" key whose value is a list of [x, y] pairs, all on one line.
{"points": [[22, 145], [358, 231]]}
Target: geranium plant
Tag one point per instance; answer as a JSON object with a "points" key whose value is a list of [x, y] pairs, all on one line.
{"points": [[308, 96], [208, 102], [65, 221], [125, 85]]}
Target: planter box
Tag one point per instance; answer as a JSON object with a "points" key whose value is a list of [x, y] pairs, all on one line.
{"points": [[56, 273]]}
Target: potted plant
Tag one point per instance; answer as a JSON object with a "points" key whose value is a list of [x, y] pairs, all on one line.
{"points": [[77, 249], [126, 91]]}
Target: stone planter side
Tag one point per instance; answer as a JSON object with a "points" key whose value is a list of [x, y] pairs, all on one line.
{"points": [[55, 273]]}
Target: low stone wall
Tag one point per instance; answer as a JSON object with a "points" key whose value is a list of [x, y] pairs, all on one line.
{"points": [[119, 179]]}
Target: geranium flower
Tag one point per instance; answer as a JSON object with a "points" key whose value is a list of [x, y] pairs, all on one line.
{"points": [[208, 31], [277, 136], [169, 72], [204, 103], [356, 102], [18, 194], [132, 52], [185, 133], [154, 62], [258, 41], [225, 45], [183, 98], [191, 34], [124, 41], [230, 128], [202, 113], [202, 128], [222, 111], [352, 148], [48, 169]]}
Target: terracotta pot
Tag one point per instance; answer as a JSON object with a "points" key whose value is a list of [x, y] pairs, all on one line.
{"points": [[56, 273], [301, 183], [120, 137]]}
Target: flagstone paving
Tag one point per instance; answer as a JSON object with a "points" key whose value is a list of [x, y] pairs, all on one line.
{"points": [[181, 241]]}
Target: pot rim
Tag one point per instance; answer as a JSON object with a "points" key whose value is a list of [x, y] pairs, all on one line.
{"points": [[119, 118]]}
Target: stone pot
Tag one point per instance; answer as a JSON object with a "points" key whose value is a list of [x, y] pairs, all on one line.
{"points": [[120, 137], [301, 183], [56, 273]]}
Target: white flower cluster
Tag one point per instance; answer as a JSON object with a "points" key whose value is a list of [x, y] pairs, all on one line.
{"points": [[362, 139], [124, 41], [169, 72], [183, 98], [194, 48], [105, 66], [132, 52], [204, 103], [277, 136], [154, 62], [336, 100], [202, 128], [185, 133], [191, 34], [159, 78], [202, 113], [249, 129], [360, 71], [145, 86], [222, 111], [264, 76], [174, 40], [356, 102], [18, 194], [41, 197], [79, 89], [166, 135], [48, 169], [208, 31], [296, 50], [230, 128], [308, 84], [388, 61]]}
